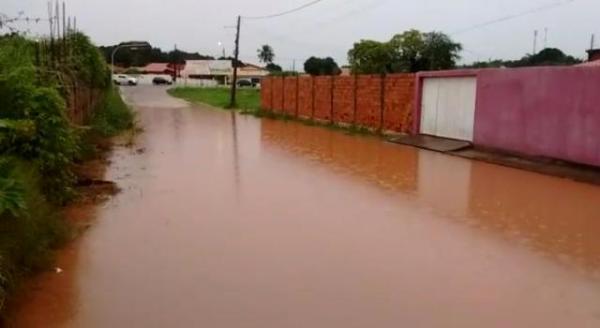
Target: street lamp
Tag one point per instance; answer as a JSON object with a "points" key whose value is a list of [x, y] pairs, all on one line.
{"points": [[134, 45]]}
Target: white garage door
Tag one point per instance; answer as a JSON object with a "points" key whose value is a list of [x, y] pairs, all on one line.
{"points": [[448, 107]]}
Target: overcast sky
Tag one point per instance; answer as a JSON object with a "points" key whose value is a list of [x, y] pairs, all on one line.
{"points": [[328, 28]]}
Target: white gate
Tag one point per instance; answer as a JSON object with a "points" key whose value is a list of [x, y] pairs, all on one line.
{"points": [[448, 107]]}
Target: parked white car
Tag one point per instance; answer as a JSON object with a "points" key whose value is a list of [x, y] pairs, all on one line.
{"points": [[122, 79]]}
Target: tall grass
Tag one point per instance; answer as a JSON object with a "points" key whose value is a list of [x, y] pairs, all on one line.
{"points": [[112, 115], [27, 237]]}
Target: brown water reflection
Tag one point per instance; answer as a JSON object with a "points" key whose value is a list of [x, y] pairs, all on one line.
{"points": [[558, 217]]}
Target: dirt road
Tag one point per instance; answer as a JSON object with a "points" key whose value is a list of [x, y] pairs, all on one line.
{"points": [[249, 223]]}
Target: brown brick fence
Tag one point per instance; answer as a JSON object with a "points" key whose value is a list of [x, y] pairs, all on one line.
{"points": [[373, 101]]}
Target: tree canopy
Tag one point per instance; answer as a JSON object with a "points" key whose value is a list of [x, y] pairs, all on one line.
{"points": [[273, 68], [321, 66], [546, 57], [266, 54], [141, 57], [411, 51]]}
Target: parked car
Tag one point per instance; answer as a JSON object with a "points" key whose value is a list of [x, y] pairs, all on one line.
{"points": [[245, 83], [161, 80], [122, 79]]}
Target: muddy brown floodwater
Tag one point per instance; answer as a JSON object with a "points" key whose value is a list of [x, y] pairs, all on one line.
{"points": [[243, 222]]}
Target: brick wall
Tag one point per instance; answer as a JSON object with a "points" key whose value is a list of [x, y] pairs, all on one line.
{"points": [[343, 99], [290, 94], [266, 93], [398, 102], [305, 96], [368, 101], [277, 91], [364, 100], [322, 94]]}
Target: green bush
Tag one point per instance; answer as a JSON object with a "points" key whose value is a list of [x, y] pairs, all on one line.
{"points": [[31, 231], [112, 115], [87, 61], [24, 95]]}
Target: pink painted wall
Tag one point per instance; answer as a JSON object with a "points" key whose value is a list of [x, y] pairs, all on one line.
{"points": [[549, 111]]}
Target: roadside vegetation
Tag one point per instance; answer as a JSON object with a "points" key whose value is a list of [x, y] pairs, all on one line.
{"points": [[247, 99], [40, 145]]}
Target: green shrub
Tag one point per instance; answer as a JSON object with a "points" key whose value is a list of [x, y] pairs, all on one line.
{"points": [[112, 115], [87, 61], [28, 234], [55, 143]]}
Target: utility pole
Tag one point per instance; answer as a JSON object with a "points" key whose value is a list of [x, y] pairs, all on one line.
{"points": [[175, 64], [535, 37], [593, 42], [232, 102], [545, 37]]}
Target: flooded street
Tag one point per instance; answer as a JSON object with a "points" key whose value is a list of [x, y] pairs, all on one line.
{"points": [[238, 222]]}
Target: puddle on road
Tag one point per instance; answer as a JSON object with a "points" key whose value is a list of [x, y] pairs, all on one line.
{"points": [[276, 224]]}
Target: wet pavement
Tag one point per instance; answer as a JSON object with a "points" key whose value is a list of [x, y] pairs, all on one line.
{"points": [[230, 221]]}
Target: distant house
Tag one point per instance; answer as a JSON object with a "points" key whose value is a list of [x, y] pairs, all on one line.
{"points": [[252, 72], [156, 68], [219, 70], [163, 68]]}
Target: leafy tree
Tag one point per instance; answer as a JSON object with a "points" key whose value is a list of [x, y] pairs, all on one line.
{"points": [[235, 63], [411, 51], [141, 57], [321, 66], [266, 54], [546, 57], [440, 51], [549, 57], [371, 57], [273, 68]]}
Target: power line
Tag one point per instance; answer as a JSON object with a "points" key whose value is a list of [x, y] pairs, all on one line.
{"points": [[513, 16], [306, 5]]}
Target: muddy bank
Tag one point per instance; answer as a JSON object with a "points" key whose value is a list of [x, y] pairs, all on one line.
{"points": [[52, 292]]}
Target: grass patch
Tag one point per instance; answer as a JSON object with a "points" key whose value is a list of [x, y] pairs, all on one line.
{"points": [[247, 99], [112, 115]]}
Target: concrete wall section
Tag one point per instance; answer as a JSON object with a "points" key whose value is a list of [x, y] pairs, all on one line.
{"points": [[550, 112]]}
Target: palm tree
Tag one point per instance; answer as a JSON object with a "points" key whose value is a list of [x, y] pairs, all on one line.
{"points": [[266, 54]]}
